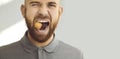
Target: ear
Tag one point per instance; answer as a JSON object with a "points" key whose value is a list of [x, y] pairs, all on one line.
{"points": [[60, 11], [23, 10]]}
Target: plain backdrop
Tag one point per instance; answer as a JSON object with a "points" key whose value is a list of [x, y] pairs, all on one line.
{"points": [[93, 26]]}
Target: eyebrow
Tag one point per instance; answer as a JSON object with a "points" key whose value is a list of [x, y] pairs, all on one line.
{"points": [[33, 2], [52, 3]]}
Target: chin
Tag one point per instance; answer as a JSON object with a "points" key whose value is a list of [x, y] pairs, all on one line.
{"points": [[40, 37]]}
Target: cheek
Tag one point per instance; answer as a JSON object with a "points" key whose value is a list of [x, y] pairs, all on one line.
{"points": [[30, 13], [55, 18]]}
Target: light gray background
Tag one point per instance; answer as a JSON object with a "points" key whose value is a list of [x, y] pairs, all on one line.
{"points": [[90, 25]]}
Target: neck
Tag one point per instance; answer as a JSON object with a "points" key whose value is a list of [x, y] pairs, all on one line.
{"points": [[38, 44]]}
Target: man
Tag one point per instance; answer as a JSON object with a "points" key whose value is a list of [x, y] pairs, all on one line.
{"points": [[40, 42]]}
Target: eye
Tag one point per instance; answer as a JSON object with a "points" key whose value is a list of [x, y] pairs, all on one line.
{"points": [[52, 4], [34, 4]]}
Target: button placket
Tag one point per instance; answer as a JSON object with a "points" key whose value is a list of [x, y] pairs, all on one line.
{"points": [[41, 53]]}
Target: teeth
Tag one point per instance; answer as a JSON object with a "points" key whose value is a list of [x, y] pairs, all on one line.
{"points": [[43, 21]]}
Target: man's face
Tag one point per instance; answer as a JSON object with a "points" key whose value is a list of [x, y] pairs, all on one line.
{"points": [[47, 12]]}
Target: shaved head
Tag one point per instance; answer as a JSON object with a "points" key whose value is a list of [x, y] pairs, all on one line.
{"points": [[29, 0]]}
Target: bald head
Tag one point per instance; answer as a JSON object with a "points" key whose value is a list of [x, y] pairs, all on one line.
{"points": [[59, 1]]}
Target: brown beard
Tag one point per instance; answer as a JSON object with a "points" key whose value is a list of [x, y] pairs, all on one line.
{"points": [[37, 38]]}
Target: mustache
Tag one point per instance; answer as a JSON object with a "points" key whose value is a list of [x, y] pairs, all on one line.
{"points": [[40, 16]]}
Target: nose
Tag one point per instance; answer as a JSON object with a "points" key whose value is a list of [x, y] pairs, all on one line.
{"points": [[43, 12]]}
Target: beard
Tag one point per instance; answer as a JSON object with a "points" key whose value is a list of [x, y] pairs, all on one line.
{"points": [[38, 37]]}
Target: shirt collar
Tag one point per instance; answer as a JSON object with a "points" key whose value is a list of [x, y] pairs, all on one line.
{"points": [[52, 46], [29, 47]]}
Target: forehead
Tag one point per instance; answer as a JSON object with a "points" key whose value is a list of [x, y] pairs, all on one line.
{"points": [[57, 1]]}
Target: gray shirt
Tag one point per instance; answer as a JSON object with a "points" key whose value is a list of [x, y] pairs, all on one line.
{"points": [[24, 49]]}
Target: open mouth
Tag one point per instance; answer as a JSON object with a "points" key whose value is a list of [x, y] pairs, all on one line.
{"points": [[45, 24]]}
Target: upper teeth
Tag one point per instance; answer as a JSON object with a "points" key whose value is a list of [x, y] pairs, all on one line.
{"points": [[43, 21]]}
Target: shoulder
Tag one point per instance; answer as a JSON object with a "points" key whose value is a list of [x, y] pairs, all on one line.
{"points": [[10, 48], [70, 50], [67, 46]]}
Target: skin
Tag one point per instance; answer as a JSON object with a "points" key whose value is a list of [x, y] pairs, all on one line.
{"points": [[35, 10]]}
